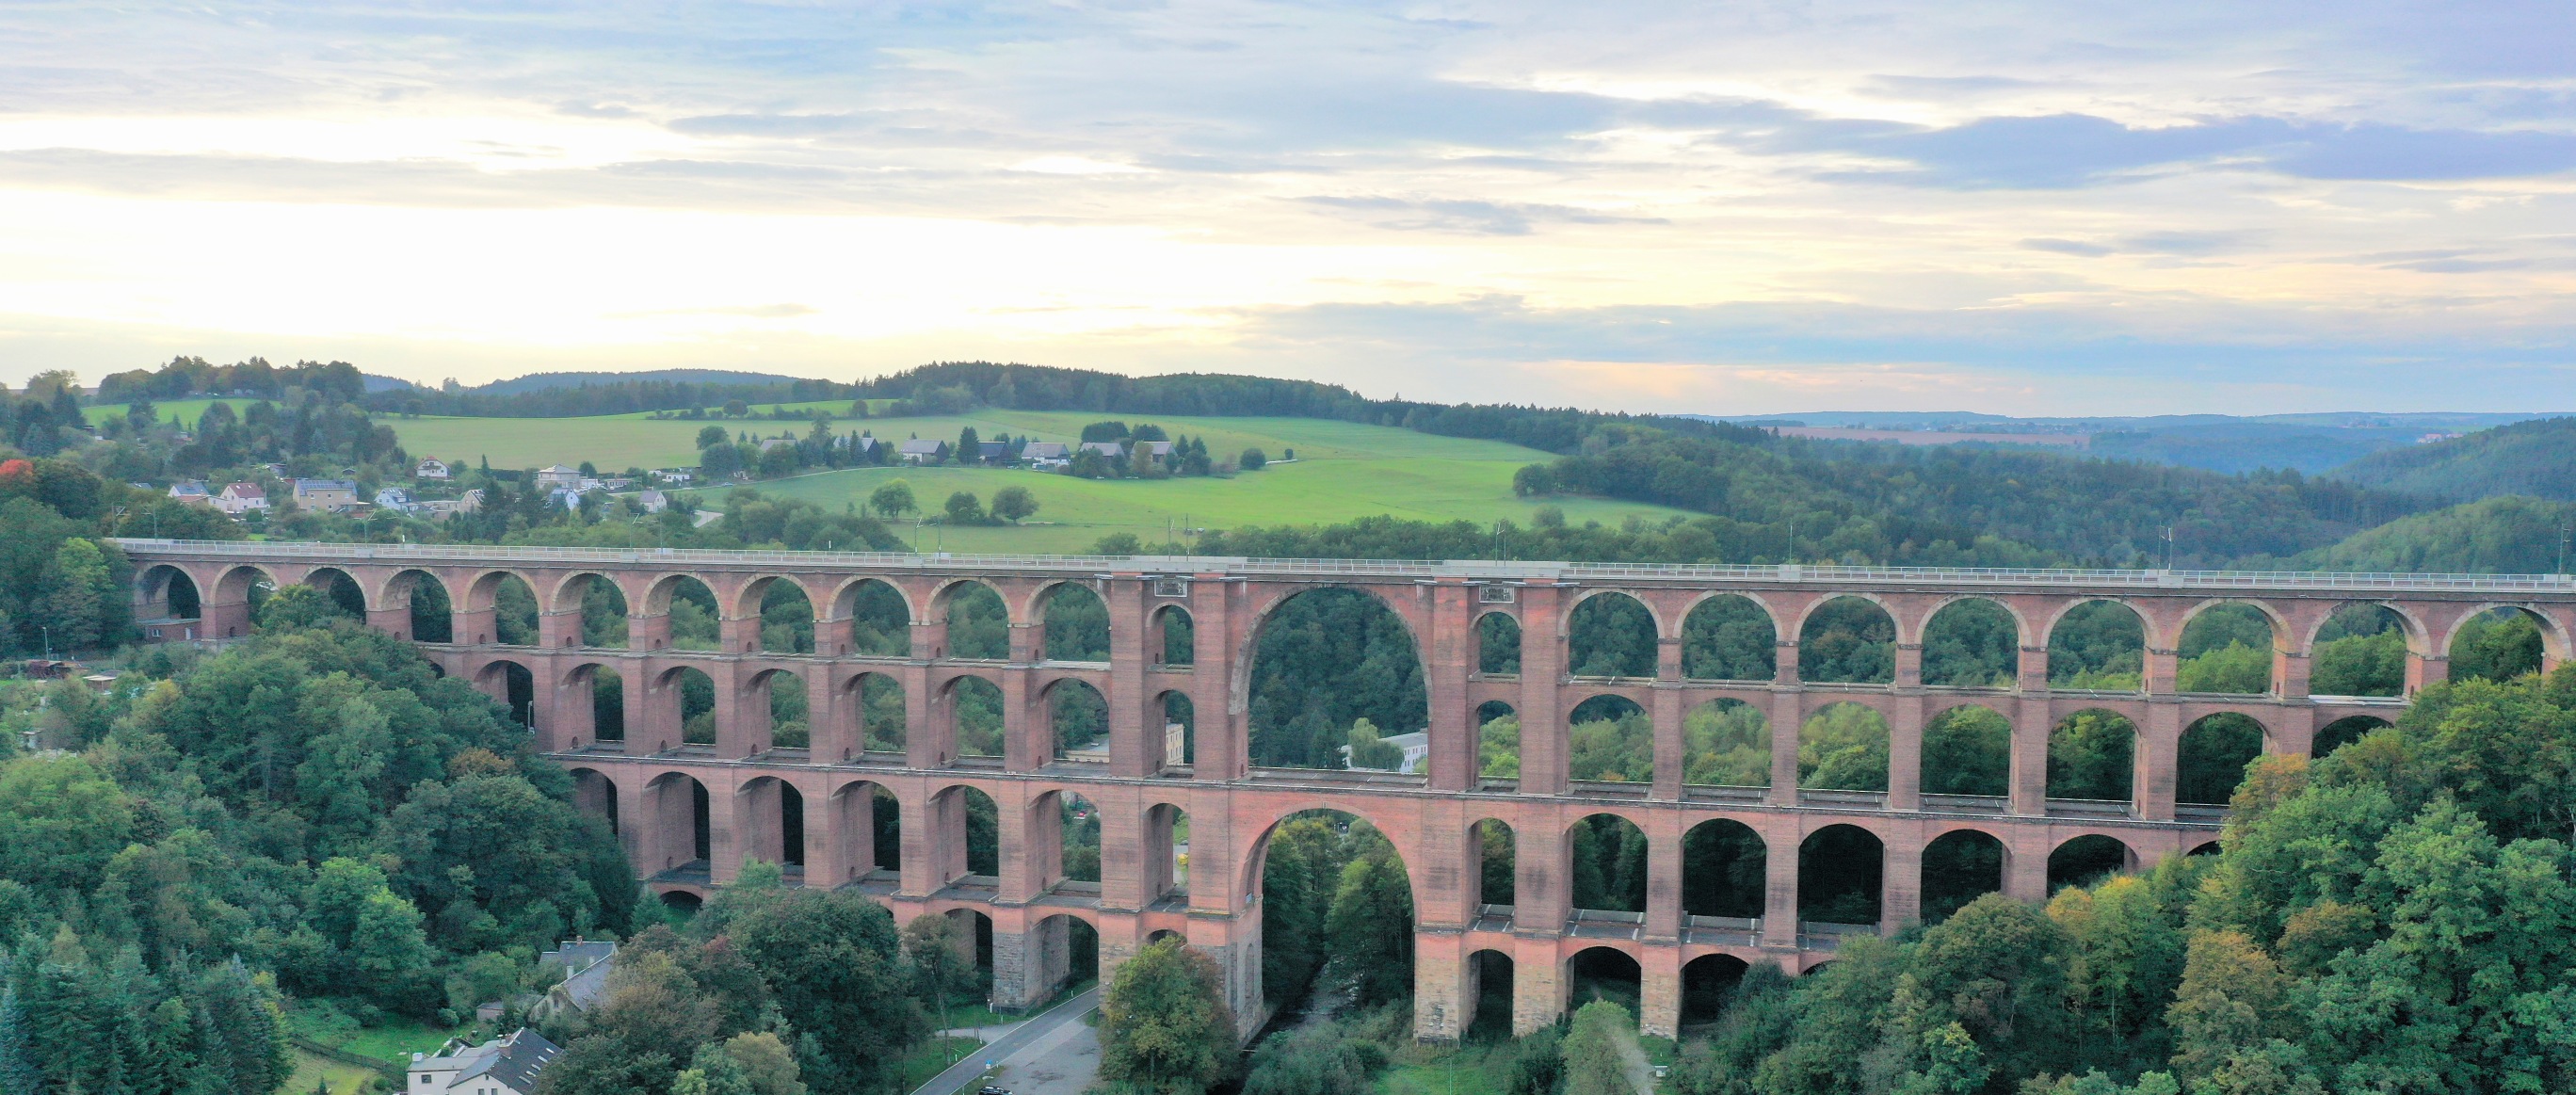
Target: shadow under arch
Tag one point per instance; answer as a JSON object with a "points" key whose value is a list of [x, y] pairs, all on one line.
{"points": [[1297, 868], [875, 620]]}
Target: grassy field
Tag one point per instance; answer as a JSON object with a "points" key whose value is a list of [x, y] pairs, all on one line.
{"points": [[932, 1057], [188, 410], [1343, 471], [312, 1072]]}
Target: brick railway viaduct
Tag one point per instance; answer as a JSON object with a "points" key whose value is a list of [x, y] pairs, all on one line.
{"points": [[690, 814]]}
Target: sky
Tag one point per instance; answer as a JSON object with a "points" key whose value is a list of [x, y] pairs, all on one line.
{"points": [[1723, 208]]}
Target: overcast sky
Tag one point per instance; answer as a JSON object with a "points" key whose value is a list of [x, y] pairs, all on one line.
{"points": [[1714, 207]]}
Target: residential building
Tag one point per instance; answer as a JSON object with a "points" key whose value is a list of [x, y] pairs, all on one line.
{"points": [[777, 443], [586, 965], [1046, 454], [395, 499], [991, 452], [1159, 450], [1109, 449], [1416, 747], [432, 469], [508, 1065], [652, 501], [918, 451], [558, 476], [192, 493], [325, 494], [241, 498], [676, 475]]}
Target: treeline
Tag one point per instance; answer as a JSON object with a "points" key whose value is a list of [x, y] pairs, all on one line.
{"points": [[191, 377], [1785, 499], [63, 584], [2535, 458], [606, 397]]}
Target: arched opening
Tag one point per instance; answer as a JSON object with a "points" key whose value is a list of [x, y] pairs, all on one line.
{"points": [[781, 695], [2361, 651], [677, 834], [1495, 851], [691, 609], [974, 708], [1707, 982], [952, 953], [607, 691], [979, 627], [682, 903], [881, 714], [515, 687], [770, 817], [1179, 741], [1610, 739], [1331, 886], [2499, 645], [2226, 649], [603, 610], [1076, 822], [433, 616], [2213, 754], [1729, 638], [1840, 868], [1726, 743], [1498, 645], [1967, 750], [1080, 719], [1604, 973], [1167, 851], [2342, 732], [2098, 646], [1847, 640], [786, 617], [1062, 951], [871, 835], [2086, 860], [1077, 625], [513, 606], [1174, 635], [1323, 662], [1843, 747], [169, 596], [880, 622], [341, 590], [1959, 867], [2210, 848], [595, 794], [1498, 740], [248, 587], [1723, 865], [2091, 756], [1971, 643], [1489, 983], [1606, 857], [1611, 635], [967, 838], [689, 697]]}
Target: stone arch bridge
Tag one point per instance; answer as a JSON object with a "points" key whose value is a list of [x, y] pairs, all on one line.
{"points": [[690, 814]]}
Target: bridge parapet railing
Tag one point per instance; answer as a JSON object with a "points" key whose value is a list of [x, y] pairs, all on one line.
{"points": [[1378, 569]]}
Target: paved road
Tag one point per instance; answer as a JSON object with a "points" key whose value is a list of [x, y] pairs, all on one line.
{"points": [[1043, 1049]]}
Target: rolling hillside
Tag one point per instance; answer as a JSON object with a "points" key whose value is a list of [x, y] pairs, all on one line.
{"points": [[2535, 458]]}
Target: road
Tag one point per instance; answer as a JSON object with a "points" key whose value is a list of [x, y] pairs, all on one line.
{"points": [[1036, 1057]]}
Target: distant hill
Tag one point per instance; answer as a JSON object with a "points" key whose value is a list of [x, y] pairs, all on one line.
{"points": [[547, 382], [2306, 443], [2509, 535], [2535, 458]]}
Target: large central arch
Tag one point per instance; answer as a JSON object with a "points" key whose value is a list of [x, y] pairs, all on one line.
{"points": [[1320, 660]]}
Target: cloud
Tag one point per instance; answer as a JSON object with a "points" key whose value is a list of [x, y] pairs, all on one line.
{"points": [[767, 125], [1474, 217], [2068, 247]]}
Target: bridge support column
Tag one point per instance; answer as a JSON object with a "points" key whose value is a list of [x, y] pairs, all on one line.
{"points": [[1135, 735], [1031, 962], [2159, 749], [1659, 1003], [1217, 753], [1538, 985], [2026, 863], [572, 715], [1900, 881], [1449, 657], [1780, 844], [225, 619], [1234, 943], [1905, 754], [392, 621], [1444, 996], [1543, 741], [2031, 723], [1788, 715]]}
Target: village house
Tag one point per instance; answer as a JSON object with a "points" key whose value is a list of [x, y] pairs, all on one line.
{"points": [[918, 451], [325, 495], [1046, 454], [430, 468], [241, 498], [192, 493], [508, 1065], [652, 501], [1107, 449], [558, 476], [395, 499]]}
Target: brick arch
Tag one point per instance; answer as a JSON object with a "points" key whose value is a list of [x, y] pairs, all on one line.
{"points": [[943, 597], [2553, 635], [1923, 625], [2146, 622], [2281, 627], [482, 592], [569, 587], [1624, 812], [746, 600], [1415, 619], [845, 597], [2419, 635], [395, 590], [658, 590], [1770, 611], [1565, 612], [1807, 612], [1253, 853], [1033, 605]]}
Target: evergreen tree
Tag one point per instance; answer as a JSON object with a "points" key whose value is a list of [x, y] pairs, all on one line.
{"points": [[18, 1073]]}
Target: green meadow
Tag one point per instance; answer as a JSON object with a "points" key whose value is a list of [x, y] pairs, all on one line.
{"points": [[1342, 471]]}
